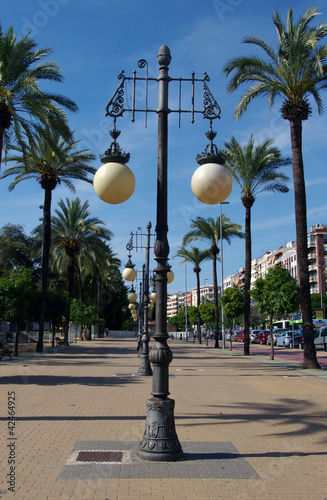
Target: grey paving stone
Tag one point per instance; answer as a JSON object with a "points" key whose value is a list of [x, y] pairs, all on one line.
{"points": [[220, 460]]}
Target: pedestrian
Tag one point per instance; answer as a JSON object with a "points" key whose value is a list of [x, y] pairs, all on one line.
{"points": [[84, 333]]}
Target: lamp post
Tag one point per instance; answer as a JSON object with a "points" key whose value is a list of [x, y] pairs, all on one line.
{"points": [[145, 367], [222, 272], [320, 283], [143, 319], [160, 441]]}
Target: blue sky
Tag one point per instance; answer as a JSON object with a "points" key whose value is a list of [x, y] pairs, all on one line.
{"points": [[93, 40]]}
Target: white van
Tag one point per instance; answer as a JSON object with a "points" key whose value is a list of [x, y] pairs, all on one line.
{"points": [[321, 338]]}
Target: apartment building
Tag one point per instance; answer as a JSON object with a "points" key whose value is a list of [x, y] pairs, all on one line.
{"points": [[206, 294], [176, 301], [286, 256], [317, 255]]}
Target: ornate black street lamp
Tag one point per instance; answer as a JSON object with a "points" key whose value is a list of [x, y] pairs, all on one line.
{"points": [[160, 441]]}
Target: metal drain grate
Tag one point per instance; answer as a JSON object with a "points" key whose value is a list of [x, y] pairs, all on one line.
{"points": [[100, 456]]}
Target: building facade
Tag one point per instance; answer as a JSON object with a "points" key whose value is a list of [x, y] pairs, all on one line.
{"points": [[176, 301], [286, 256]]}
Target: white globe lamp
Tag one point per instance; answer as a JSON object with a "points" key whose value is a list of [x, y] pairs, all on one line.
{"points": [[114, 182], [211, 183]]}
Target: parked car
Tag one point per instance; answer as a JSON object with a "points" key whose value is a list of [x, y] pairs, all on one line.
{"points": [[276, 332], [239, 336], [321, 338], [298, 339], [253, 335], [280, 339], [262, 337]]}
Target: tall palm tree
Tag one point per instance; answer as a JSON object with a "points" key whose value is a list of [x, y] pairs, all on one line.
{"points": [[22, 103], [51, 160], [75, 233], [208, 230], [255, 169], [295, 72], [195, 256]]}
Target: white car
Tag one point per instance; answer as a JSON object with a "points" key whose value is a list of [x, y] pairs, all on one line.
{"points": [[280, 340], [321, 338], [253, 335]]}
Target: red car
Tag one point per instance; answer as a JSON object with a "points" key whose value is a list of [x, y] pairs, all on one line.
{"points": [[262, 337], [239, 336]]}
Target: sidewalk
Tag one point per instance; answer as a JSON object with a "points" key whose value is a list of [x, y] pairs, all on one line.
{"points": [[249, 428]]}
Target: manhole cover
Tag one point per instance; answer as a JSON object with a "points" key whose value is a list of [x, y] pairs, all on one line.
{"points": [[99, 456]]}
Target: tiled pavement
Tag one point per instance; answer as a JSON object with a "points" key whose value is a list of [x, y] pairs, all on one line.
{"points": [[249, 429]]}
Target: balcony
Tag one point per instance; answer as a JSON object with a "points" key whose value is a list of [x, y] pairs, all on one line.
{"points": [[313, 279], [312, 256]]}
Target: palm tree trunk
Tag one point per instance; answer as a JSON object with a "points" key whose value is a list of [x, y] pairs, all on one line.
{"points": [[1, 144], [46, 242], [247, 278], [215, 295], [309, 353], [79, 278], [198, 307]]}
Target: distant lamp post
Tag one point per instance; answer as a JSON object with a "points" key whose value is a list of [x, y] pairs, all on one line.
{"points": [[222, 273], [212, 184], [320, 286]]}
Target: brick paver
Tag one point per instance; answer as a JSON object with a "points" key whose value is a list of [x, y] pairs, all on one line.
{"points": [[249, 428]]}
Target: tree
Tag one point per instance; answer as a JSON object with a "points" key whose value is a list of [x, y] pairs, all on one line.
{"points": [[255, 169], [101, 267], [74, 233], [82, 314], [316, 302], [276, 294], [179, 319], [51, 160], [22, 103], [17, 298], [207, 313], [208, 230], [195, 256], [295, 72], [15, 248], [233, 303]]}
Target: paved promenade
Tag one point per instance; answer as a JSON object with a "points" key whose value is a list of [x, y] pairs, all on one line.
{"points": [[249, 428]]}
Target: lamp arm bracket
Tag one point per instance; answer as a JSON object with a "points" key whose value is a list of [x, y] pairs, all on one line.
{"points": [[115, 106]]}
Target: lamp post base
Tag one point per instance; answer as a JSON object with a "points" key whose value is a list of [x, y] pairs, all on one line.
{"points": [[145, 366], [160, 442]]}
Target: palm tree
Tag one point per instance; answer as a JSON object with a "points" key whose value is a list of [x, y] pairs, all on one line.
{"points": [[295, 72], [208, 230], [195, 256], [75, 234], [255, 169], [51, 160], [22, 103], [102, 266]]}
